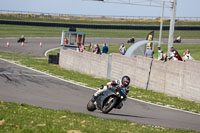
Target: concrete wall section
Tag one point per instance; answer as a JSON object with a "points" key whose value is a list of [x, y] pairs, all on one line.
{"points": [[86, 62], [121, 65], [142, 71], [175, 78], [157, 76], [191, 87]]}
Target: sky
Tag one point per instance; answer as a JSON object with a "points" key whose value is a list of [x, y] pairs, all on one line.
{"points": [[185, 8]]}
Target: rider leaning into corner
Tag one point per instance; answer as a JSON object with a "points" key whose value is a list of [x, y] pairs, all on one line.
{"points": [[122, 84]]}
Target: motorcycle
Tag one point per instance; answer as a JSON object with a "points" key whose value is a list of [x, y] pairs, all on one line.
{"points": [[107, 100]]}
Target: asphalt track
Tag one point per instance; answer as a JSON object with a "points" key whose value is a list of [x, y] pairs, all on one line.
{"points": [[23, 85]]}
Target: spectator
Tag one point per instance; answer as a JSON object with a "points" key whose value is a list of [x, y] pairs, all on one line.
{"points": [[174, 55], [97, 49], [21, 39], [149, 53], [178, 40], [90, 48], [82, 48], [164, 57], [183, 58], [187, 55], [105, 49], [160, 53], [122, 49]]}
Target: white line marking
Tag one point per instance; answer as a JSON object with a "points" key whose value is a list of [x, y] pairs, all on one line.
{"points": [[45, 54], [72, 82]]}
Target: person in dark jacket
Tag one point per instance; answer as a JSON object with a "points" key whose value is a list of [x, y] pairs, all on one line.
{"points": [[97, 49], [105, 49]]}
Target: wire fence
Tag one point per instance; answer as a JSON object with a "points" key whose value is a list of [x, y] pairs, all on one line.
{"points": [[50, 15]]}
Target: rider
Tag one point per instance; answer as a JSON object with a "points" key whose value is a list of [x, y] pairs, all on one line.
{"points": [[123, 84]]}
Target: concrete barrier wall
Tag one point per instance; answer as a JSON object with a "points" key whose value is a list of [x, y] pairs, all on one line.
{"points": [[137, 68], [175, 78], [180, 79], [86, 62]]}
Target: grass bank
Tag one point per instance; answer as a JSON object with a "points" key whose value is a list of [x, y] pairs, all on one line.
{"points": [[17, 118], [41, 63], [39, 31]]}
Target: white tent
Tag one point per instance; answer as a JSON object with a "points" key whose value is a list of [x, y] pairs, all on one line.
{"points": [[138, 48]]}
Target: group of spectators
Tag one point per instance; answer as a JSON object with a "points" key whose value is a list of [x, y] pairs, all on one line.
{"points": [[174, 55], [97, 50]]}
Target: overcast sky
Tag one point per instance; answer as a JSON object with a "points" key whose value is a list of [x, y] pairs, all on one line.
{"points": [[185, 8]]}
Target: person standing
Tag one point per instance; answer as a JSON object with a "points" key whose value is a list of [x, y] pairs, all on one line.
{"points": [[122, 49], [105, 49], [82, 48], [160, 53], [97, 49], [149, 53]]}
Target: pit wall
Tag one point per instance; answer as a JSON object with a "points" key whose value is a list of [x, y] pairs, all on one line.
{"points": [[180, 79]]}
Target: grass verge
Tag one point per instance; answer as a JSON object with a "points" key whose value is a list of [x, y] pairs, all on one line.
{"points": [[91, 20], [15, 118], [39, 31], [145, 95]]}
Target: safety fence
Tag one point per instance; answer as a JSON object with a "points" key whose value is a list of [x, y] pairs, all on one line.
{"points": [[50, 15]]}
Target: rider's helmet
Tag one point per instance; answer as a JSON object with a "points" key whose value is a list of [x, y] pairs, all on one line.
{"points": [[125, 81]]}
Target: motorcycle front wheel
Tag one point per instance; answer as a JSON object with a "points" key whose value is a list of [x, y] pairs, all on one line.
{"points": [[109, 104], [91, 106]]}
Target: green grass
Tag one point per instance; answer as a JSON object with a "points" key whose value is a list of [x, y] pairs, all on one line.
{"points": [[41, 63], [39, 31], [90, 20], [16, 118]]}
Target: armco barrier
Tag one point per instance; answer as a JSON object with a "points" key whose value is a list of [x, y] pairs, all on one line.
{"points": [[96, 26], [180, 79]]}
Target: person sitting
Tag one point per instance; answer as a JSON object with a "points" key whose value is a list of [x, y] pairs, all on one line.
{"points": [[21, 39], [174, 55], [187, 55], [122, 49], [178, 40], [132, 40], [149, 53]]}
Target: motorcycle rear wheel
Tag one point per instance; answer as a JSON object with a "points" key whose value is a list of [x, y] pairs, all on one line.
{"points": [[107, 107], [91, 106]]}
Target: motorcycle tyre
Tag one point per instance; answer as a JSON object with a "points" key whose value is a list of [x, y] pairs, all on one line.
{"points": [[91, 106], [111, 106]]}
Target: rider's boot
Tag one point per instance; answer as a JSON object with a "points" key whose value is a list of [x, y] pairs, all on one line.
{"points": [[94, 98]]}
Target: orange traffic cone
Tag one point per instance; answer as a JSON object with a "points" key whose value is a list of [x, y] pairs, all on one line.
{"points": [[7, 44], [22, 44], [40, 44]]}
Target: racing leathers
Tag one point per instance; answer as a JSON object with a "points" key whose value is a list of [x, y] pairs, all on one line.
{"points": [[114, 83]]}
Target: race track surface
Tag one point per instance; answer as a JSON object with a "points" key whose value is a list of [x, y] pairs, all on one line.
{"points": [[22, 85]]}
